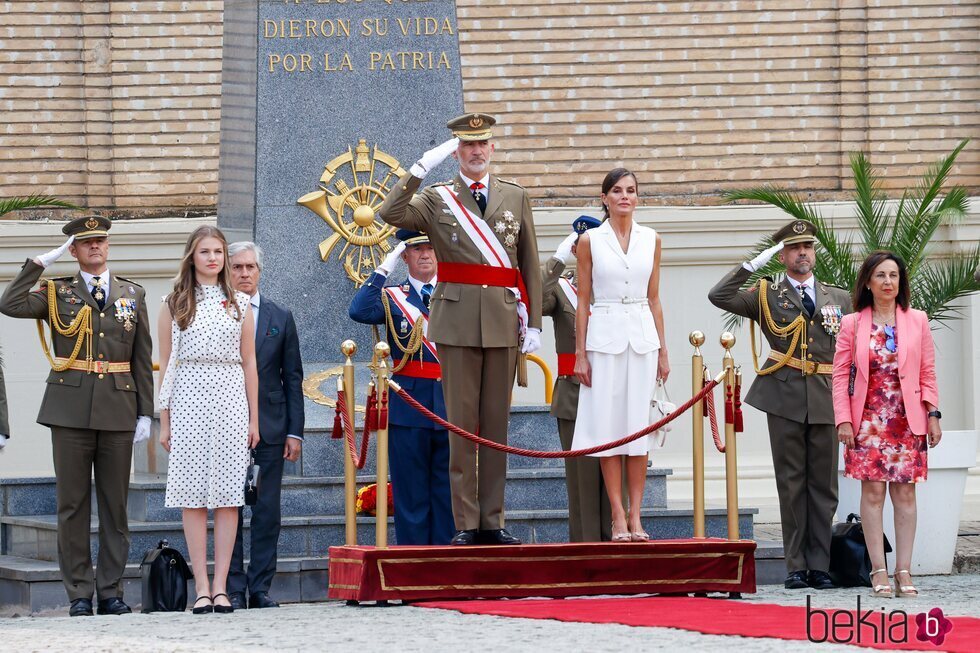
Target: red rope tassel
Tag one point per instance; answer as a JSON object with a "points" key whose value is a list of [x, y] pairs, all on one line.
{"points": [[338, 429], [729, 406], [371, 411], [383, 411], [738, 404]]}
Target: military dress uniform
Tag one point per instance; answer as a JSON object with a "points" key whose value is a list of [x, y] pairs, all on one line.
{"points": [[4, 419], [589, 515], [92, 409], [418, 448], [797, 399], [474, 322]]}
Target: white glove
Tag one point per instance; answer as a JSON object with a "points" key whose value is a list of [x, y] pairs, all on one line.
{"points": [[391, 260], [762, 258], [433, 157], [3, 442], [564, 251], [48, 258], [142, 429], [532, 341]]}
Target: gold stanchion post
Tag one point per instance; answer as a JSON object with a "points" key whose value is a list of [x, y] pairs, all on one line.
{"points": [[731, 466], [348, 348], [697, 382], [382, 351]]}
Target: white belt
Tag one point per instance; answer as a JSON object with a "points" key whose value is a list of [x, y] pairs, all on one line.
{"points": [[621, 300]]}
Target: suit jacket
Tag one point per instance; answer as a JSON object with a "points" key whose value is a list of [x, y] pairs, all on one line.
{"points": [[564, 401], [366, 308], [469, 315], [84, 400], [4, 420], [280, 372], [916, 367], [786, 392]]}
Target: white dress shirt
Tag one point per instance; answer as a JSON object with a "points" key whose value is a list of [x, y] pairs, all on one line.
{"points": [[104, 278], [808, 288], [417, 285], [485, 181]]}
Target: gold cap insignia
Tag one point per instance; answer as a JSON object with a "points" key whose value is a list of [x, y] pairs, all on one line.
{"points": [[91, 223], [476, 122], [799, 227]]}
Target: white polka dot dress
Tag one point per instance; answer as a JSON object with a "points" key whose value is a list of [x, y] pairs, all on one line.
{"points": [[205, 390]]}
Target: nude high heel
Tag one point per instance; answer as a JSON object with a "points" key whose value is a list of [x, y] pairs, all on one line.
{"points": [[878, 590], [905, 590]]}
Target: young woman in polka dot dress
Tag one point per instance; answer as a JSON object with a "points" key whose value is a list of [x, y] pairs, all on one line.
{"points": [[208, 405]]}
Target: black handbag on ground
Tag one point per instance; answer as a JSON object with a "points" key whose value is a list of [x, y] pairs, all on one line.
{"points": [[252, 480], [850, 564], [164, 574]]}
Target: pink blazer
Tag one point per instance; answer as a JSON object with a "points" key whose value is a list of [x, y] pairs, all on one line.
{"points": [[916, 367]]}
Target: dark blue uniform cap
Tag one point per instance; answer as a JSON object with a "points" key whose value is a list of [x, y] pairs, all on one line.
{"points": [[410, 237], [585, 222]]}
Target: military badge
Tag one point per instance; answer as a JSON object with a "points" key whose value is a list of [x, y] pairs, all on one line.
{"points": [[507, 229], [403, 327], [126, 312], [832, 316], [454, 237], [132, 291]]}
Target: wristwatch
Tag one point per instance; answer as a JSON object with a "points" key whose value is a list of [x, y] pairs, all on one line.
{"points": [[934, 413]]}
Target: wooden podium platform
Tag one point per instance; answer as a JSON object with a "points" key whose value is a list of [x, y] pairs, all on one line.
{"points": [[366, 573]]}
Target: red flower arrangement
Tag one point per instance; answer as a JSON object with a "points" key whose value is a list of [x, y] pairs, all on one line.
{"points": [[367, 500]]}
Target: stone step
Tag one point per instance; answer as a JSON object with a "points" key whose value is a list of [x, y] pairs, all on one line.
{"points": [[527, 489], [35, 536]]}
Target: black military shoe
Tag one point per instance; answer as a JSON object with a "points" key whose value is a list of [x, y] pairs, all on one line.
{"points": [[261, 600], [80, 608], [499, 536], [113, 605], [464, 538], [820, 580], [237, 600], [795, 580]]}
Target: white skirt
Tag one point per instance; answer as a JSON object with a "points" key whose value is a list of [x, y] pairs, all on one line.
{"points": [[618, 403]]}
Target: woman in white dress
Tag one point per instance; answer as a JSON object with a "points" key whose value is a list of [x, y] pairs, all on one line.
{"points": [[618, 352], [208, 406]]}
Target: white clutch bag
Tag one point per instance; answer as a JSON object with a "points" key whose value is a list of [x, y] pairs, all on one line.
{"points": [[660, 407]]}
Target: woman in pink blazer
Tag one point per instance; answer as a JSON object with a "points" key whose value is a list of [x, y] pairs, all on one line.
{"points": [[885, 405]]}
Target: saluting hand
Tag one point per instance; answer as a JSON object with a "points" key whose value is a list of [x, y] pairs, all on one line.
{"points": [[46, 259], [764, 257], [433, 157], [565, 251], [391, 260]]}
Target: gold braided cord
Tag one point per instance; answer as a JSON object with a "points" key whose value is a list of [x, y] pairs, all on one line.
{"points": [[414, 345], [796, 328], [79, 328]]}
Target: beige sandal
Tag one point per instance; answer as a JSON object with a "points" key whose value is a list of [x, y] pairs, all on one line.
{"points": [[878, 590], [905, 590], [620, 537]]}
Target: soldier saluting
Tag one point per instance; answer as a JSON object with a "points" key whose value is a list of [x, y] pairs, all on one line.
{"points": [[486, 306], [99, 390], [800, 318]]}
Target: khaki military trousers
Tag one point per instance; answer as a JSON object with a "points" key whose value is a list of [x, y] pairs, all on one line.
{"points": [[76, 452], [589, 516], [476, 385], [804, 458]]}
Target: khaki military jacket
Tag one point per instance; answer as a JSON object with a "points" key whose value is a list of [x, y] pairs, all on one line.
{"points": [[564, 401], [467, 315], [83, 400], [786, 392]]}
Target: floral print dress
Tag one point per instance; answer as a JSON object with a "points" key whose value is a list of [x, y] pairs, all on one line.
{"points": [[885, 449]]}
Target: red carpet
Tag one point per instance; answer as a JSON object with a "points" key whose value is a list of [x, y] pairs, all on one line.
{"points": [[732, 617]]}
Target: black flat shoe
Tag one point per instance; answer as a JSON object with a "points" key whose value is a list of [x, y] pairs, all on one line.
{"points": [[464, 538], [222, 609], [795, 580], [820, 580], [204, 609], [261, 600], [498, 536], [113, 605], [80, 608]]}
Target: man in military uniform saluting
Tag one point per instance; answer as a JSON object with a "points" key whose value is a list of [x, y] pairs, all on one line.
{"points": [[589, 516], [98, 402], [485, 308], [800, 318]]}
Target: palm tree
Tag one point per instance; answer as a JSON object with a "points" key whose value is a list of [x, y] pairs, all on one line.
{"points": [[905, 227], [10, 204]]}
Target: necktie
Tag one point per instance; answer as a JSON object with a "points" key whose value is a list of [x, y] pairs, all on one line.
{"points": [[481, 199], [807, 302], [426, 294], [98, 294]]}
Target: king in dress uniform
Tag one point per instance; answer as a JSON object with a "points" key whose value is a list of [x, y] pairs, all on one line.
{"points": [[486, 307], [419, 448], [99, 390], [800, 318]]}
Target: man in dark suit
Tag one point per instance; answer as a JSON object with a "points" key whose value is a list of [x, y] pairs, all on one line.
{"points": [[280, 427], [419, 448]]}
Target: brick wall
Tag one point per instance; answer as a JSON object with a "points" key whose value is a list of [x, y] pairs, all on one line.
{"points": [[116, 104]]}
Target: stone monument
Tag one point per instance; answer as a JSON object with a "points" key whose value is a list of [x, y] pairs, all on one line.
{"points": [[328, 101]]}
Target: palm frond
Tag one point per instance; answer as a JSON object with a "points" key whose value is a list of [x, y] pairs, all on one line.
{"points": [[872, 205], [940, 283], [778, 197], [930, 185], [32, 202]]}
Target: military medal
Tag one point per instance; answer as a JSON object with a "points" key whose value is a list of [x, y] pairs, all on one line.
{"points": [[132, 291], [403, 327], [126, 312], [832, 316], [454, 238]]}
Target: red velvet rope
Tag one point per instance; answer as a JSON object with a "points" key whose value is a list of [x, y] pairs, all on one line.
{"points": [[359, 460], [530, 453], [713, 421]]}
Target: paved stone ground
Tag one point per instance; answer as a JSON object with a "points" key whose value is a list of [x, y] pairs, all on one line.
{"points": [[336, 627]]}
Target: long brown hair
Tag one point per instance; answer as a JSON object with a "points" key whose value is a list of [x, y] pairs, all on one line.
{"points": [[183, 300], [862, 296]]}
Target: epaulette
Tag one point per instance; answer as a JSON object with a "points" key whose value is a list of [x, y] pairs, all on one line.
{"points": [[443, 183], [129, 281], [568, 274], [510, 181], [830, 285], [405, 287]]}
